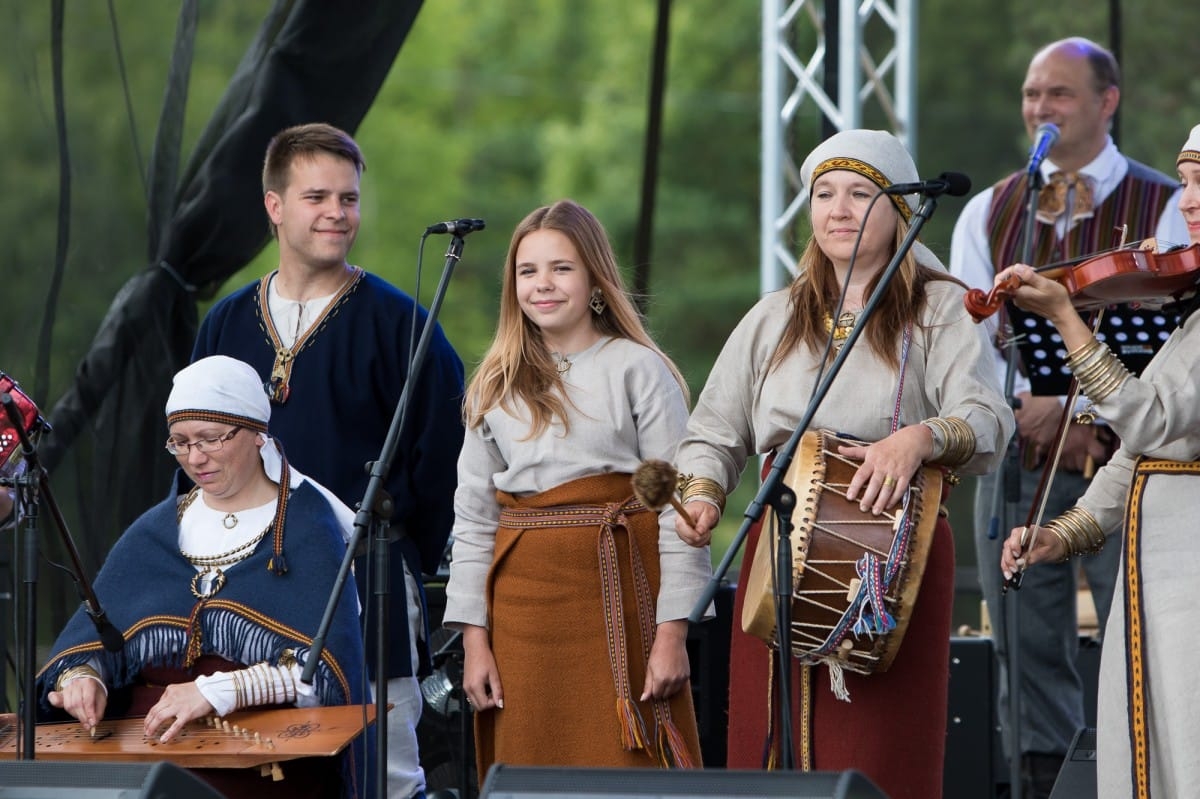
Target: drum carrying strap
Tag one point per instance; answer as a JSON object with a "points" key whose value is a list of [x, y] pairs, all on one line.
{"points": [[879, 619], [872, 617]]}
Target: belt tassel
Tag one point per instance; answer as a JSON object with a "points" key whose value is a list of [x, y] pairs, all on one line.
{"points": [[672, 751]]}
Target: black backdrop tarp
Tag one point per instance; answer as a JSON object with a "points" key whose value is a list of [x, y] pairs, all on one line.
{"points": [[311, 60]]}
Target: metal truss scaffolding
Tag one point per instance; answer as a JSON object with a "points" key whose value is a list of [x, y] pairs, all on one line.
{"points": [[845, 81]]}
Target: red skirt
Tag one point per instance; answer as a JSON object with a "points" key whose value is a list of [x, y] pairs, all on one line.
{"points": [[894, 728]]}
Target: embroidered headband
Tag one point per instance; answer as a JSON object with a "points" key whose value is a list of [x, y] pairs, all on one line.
{"points": [[875, 154], [879, 157], [219, 389], [1191, 148]]}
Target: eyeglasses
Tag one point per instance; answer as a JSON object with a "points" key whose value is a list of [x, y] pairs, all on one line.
{"points": [[204, 445]]}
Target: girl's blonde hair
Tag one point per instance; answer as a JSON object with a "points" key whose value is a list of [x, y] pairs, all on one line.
{"points": [[518, 365]]}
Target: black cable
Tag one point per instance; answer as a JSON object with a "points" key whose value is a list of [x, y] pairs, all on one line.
{"points": [[133, 134]]}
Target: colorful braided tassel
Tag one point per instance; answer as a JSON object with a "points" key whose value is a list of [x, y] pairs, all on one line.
{"points": [[633, 730], [672, 751]]}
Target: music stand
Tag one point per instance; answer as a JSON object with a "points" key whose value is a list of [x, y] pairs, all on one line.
{"points": [[1133, 334]]}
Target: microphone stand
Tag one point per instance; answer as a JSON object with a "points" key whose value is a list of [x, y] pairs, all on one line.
{"points": [[782, 499], [1004, 514], [374, 511], [33, 487]]}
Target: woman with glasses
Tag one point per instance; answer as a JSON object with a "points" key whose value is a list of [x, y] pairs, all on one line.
{"points": [[217, 591]]}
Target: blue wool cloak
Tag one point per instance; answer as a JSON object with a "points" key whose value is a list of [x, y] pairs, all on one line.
{"points": [[145, 589]]}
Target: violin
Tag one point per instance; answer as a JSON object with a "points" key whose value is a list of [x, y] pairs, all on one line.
{"points": [[1113, 278]]}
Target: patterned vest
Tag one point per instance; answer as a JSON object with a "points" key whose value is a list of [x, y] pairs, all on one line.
{"points": [[1134, 335]]}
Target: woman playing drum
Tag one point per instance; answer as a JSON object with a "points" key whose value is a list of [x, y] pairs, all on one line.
{"points": [[1147, 710], [918, 386]]}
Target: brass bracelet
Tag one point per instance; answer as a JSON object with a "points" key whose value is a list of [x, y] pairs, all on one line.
{"points": [[693, 488], [1097, 369], [1079, 531], [260, 685], [239, 692], [287, 659], [287, 671], [270, 673], [953, 440], [1061, 535], [1080, 354], [74, 673]]}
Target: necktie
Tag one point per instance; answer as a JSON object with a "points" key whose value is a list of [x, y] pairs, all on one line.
{"points": [[1062, 190]]}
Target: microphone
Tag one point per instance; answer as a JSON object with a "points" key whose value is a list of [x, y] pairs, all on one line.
{"points": [[460, 227], [956, 184], [110, 636], [1043, 139]]}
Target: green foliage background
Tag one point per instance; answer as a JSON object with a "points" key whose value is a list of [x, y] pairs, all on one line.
{"points": [[493, 108]]}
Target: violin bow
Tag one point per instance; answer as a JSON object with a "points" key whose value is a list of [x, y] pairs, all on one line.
{"points": [[1033, 522]]}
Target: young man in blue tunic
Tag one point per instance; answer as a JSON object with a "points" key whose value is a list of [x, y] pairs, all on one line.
{"points": [[331, 343]]}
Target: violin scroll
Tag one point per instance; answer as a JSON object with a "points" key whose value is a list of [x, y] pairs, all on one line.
{"points": [[980, 305], [1127, 275]]}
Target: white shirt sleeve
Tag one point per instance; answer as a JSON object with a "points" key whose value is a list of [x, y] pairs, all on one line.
{"points": [[971, 262]]}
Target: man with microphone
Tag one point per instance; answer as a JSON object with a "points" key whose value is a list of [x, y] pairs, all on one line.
{"points": [[332, 344], [1089, 189]]}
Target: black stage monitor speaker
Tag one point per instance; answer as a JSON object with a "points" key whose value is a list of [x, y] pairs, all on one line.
{"points": [[1077, 777], [972, 745], [529, 782], [44, 779]]}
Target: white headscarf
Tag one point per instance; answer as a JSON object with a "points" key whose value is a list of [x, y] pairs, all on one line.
{"points": [[878, 156], [223, 389], [1191, 147]]}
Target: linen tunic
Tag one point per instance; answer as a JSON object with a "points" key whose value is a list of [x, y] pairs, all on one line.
{"points": [[746, 409], [627, 407], [1156, 416]]}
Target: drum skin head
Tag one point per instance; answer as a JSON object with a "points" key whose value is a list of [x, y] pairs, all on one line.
{"points": [[830, 537]]}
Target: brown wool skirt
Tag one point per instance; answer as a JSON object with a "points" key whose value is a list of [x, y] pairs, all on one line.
{"points": [[548, 632]]}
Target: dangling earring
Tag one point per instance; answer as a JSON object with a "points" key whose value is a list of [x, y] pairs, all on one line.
{"points": [[597, 302]]}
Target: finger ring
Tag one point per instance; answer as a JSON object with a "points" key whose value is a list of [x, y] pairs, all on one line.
{"points": [[889, 480]]}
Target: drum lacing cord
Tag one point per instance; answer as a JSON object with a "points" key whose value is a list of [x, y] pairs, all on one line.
{"points": [[869, 610]]}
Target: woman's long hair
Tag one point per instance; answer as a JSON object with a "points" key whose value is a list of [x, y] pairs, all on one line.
{"points": [[814, 294], [518, 365]]}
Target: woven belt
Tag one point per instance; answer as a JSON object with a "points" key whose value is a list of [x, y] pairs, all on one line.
{"points": [[1135, 653], [612, 513], [671, 749]]}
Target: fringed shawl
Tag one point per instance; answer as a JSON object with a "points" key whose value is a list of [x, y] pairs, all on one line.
{"points": [[145, 588]]}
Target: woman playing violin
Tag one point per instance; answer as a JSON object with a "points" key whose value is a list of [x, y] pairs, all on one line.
{"points": [[1148, 713]]}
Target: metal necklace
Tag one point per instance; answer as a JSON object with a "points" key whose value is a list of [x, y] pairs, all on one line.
{"points": [[211, 572]]}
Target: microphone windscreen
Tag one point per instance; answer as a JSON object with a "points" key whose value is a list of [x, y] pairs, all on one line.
{"points": [[1048, 129], [957, 184]]}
